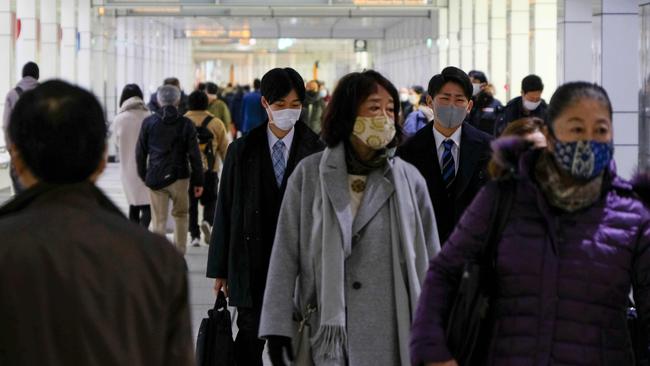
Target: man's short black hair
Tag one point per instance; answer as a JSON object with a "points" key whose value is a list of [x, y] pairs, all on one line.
{"points": [[31, 69], [350, 92], [532, 83], [60, 132], [211, 88], [450, 75], [130, 91], [256, 84], [418, 89], [277, 83], [200, 87], [197, 101], [478, 75]]}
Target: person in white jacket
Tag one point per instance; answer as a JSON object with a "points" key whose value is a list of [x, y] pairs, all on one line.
{"points": [[29, 81], [126, 127]]}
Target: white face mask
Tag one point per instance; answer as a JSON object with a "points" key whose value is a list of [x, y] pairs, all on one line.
{"points": [[403, 97], [322, 93], [476, 88], [284, 119], [531, 106], [414, 99]]}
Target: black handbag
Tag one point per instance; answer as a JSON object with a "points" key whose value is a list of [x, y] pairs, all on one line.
{"points": [[214, 344], [469, 325]]}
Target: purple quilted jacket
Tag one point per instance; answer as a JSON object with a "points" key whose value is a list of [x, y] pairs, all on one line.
{"points": [[563, 278]]}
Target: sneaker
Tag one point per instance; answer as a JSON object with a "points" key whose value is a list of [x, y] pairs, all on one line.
{"points": [[196, 242], [207, 231]]}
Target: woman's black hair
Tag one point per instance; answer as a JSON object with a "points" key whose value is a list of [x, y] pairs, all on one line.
{"points": [[278, 83], [197, 101], [130, 91], [571, 93], [351, 91]]}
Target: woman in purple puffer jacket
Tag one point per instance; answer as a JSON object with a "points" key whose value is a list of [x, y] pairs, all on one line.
{"points": [[576, 241]]}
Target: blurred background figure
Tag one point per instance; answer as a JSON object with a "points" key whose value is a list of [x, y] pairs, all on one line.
{"points": [[126, 127], [313, 107], [486, 108], [217, 107], [253, 113], [155, 107], [529, 104]]}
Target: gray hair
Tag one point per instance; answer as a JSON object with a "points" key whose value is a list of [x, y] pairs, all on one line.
{"points": [[168, 95]]}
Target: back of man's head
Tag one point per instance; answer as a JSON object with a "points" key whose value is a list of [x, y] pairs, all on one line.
{"points": [[59, 131], [172, 81], [211, 88], [168, 95], [31, 69], [257, 83]]}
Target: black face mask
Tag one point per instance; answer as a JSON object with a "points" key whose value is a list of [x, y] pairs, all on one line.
{"points": [[312, 94]]}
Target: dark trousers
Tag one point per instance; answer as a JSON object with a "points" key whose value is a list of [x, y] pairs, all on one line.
{"points": [[248, 346], [208, 200], [140, 215]]}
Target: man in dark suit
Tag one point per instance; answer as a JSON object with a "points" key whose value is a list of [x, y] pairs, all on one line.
{"points": [[254, 179], [451, 155], [79, 283]]}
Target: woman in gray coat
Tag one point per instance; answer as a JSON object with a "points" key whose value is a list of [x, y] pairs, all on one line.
{"points": [[354, 236]]}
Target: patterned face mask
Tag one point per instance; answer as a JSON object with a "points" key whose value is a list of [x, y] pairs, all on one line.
{"points": [[376, 132], [585, 159]]}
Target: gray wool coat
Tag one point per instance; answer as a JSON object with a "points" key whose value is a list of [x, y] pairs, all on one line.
{"points": [[293, 281]]}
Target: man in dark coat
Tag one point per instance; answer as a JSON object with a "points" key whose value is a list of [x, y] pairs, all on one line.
{"points": [[254, 179], [79, 283], [451, 155], [486, 108], [529, 104]]}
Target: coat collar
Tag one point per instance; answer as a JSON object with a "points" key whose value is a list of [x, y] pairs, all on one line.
{"points": [[84, 193], [471, 147]]}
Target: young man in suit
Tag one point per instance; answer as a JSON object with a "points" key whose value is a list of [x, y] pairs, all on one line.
{"points": [[254, 179], [451, 155]]}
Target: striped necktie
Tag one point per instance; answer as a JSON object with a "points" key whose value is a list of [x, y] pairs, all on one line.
{"points": [[279, 165], [448, 165]]}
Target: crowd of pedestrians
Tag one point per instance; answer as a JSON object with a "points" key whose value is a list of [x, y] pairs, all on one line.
{"points": [[344, 230]]}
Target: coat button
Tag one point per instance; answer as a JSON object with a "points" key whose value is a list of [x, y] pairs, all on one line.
{"points": [[356, 285]]}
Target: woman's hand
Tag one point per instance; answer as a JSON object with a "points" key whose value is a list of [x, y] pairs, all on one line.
{"points": [[221, 284], [446, 363]]}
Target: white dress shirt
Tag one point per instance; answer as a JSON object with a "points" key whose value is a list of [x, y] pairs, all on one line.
{"points": [[455, 150], [288, 140]]}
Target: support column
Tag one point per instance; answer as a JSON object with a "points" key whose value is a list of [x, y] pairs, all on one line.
{"points": [[454, 33], [644, 108], [574, 32], [49, 65], [543, 29], [481, 33], [518, 45], [84, 52], [26, 44], [130, 52], [617, 38], [113, 90], [442, 44], [6, 57], [498, 52], [466, 35], [69, 40], [120, 53]]}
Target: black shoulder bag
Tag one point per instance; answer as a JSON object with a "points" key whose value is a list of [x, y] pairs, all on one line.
{"points": [[469, 324]]}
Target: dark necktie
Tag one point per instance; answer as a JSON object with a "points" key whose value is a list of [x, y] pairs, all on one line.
{"points": [[448, 164]]}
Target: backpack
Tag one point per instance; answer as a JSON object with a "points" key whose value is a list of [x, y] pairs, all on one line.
{"points": [[205, 138], [164, 170]]}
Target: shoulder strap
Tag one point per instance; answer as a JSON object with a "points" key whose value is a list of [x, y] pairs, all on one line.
{"points": [[206, 121], [19, 90]]}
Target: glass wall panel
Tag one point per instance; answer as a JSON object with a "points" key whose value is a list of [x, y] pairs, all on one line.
{"points": [[644, 94]]}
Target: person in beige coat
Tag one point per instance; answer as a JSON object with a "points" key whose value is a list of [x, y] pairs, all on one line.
{"points": [[206, 124], [126, 127]]}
